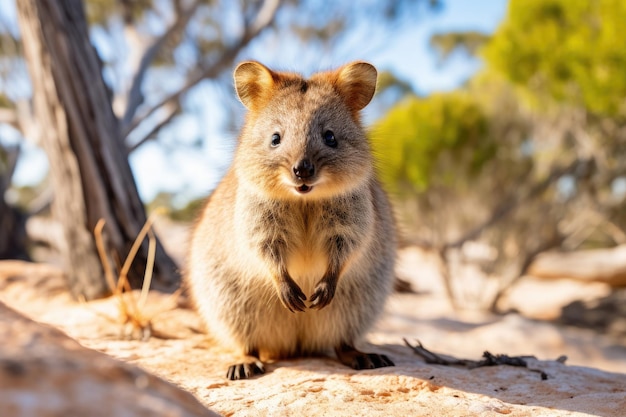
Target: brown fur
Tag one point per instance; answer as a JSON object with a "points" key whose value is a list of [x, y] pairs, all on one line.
{"points": [[283, 264]]}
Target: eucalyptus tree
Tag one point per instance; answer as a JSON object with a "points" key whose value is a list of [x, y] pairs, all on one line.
{"points": [[90, 108]]}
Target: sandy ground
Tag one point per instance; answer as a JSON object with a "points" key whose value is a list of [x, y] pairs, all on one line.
{"points": [[185, 356]]}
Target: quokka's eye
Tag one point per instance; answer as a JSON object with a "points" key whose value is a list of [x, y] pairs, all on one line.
{"points": [[275, 140], [329, 139]]}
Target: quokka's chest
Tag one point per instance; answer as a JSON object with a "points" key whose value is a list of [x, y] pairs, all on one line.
{"points": [[305, 234], [307, 262], [305, 223], [300, 233], [305, 229]]}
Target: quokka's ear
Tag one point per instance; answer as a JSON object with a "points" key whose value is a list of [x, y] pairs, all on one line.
{"points": [[253, 82], [356, 82]]}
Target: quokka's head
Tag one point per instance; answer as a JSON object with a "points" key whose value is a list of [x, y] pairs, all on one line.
{"points": [[302, 138]]}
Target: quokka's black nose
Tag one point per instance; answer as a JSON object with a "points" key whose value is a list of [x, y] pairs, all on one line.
{"points": [[304, 169]]}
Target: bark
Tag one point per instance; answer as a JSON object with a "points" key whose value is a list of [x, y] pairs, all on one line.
{"points": [[12, 221], [12, 232], [81, 135]]}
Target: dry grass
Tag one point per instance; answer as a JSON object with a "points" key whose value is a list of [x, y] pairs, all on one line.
{"points": [[133, 315]]}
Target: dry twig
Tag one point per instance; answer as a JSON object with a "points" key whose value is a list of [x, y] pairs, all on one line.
{"points": [[489, 359]]}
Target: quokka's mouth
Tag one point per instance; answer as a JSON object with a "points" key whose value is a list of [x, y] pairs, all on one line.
{"points": [[303, 189]]}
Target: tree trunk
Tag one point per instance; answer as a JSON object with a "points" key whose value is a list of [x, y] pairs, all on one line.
{"points": [[12, 222], [81, 135]]}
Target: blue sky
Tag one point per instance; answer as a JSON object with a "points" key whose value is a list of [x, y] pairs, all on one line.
{"points": [[193, 173], [410, 56]]}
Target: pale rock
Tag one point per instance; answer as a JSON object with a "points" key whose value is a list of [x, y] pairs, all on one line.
{"points": [[44, 373], [606, 265]]}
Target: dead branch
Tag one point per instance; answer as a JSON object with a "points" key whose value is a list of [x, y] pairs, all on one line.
{"points": [[510, 204], [489, 359], [524, 266], [506, 207], [444, 270]]}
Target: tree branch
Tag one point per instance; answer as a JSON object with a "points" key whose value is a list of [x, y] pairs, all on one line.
{"points": [[9, 116], [263, 19], [523, 267], [512, 203], [135, 97], [156, 128]]}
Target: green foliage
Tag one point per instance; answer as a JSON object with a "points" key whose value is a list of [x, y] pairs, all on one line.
{"points": [[479, 165], [447, 43], [421, 142], [388, 80], [99, 11], [4, 101], [571, 51], [165, 200], [189, 212]]}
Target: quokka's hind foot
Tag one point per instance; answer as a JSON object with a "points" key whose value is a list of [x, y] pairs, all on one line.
{"points": [[245, 370], [355, 359]]}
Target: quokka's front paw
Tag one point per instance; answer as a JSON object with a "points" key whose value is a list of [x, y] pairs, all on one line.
{"points": [[323, 293], [291, 295]]}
